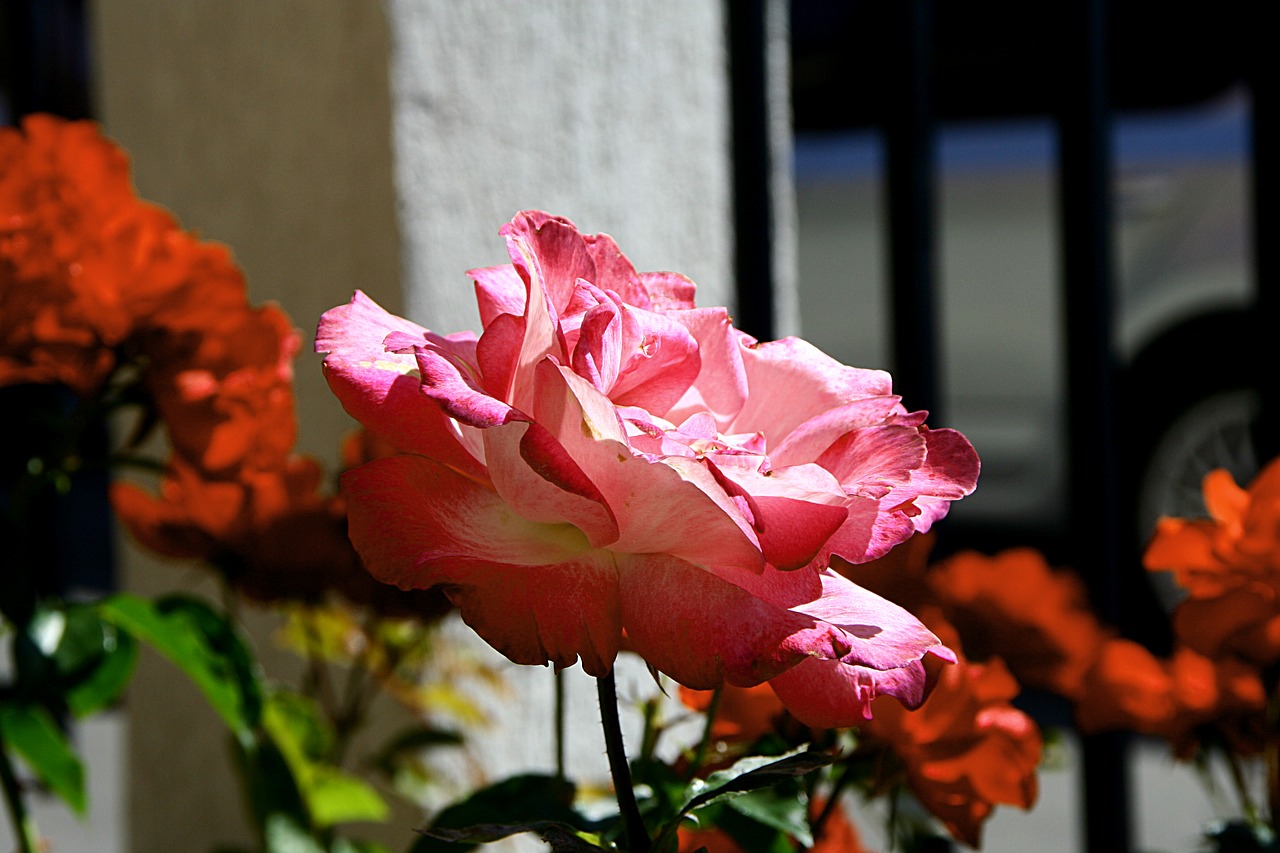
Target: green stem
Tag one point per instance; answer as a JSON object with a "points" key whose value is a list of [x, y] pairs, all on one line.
{"points": [[559, 724], [833, 801], [638, 840], [700, 754], [1247, 805], [24, 826]]}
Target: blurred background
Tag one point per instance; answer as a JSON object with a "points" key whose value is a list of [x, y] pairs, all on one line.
{"points": [[1041, 218]]}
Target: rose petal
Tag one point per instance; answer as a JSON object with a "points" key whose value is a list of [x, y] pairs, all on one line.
{"points": [[672, 506], [829, 694], [406, 514], [702, 630]]}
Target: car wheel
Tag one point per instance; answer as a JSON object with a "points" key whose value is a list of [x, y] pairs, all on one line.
{"points": [[1215, 432]]}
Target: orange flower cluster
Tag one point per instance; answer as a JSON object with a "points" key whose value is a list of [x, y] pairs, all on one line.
{"points": [[1038, 621], [98, 287], [1228, 626], [1229, 565], [967, 748], [1015, 606]]}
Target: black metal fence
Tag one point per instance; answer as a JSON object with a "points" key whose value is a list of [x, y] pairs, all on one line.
{"points": [[902, 66]]}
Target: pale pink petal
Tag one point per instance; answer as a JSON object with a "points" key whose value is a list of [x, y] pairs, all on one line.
{"points": [[497, 355], [549, 254], [596, 355], [870, 531], [614, 271], [668, 291], [792, 381], [659, 361], [950, 472], [703, 631], [881, 634], [673, 506], [356, 330], [721, 385], [534, 474], [459, 393], [808, 441], [873, 461]]}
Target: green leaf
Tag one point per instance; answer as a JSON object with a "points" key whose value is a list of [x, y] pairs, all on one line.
{"points": [[108, 653], [283, 835], [30, 731], [755, 772], [353, 845], [204, 645], [560, 836], [68, 658], [331, 795], [511, 806], [785, 811]]}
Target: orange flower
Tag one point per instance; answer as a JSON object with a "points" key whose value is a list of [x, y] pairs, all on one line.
{"points": [[1128, 688], [271, 532], [65, 200], [1015, 606], [229, 402], [1229, 565], [743, 715], [966, 749]]}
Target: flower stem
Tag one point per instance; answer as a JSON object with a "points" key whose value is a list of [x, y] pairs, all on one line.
{"points": [[559, 724], [637, 836], [24, 828], [700, 754]]}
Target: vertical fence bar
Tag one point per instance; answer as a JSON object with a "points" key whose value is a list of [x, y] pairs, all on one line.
{"points": [[911, 195], [1263, 200], [1094, 513], [752, 167]]}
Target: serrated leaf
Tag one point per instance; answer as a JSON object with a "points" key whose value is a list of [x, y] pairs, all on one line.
{"points": [[31, 732], [203, 644]]}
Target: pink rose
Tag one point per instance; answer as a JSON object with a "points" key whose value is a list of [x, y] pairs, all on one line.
{"points": [[607, 457]]}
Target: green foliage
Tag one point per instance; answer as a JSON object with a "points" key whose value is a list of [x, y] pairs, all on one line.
{"points": [[305, 741], [202, 643], [530, 803], [31, 732]]}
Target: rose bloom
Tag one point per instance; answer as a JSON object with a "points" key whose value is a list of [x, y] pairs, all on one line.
{"points": [[607, 457]]}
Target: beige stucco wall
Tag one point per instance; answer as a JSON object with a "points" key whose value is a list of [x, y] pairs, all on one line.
{"points": [[265, 126]]}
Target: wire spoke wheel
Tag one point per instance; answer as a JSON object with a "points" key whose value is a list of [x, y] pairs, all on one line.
{"points": [[1213, 433]]}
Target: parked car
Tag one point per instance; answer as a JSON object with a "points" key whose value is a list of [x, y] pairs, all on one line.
{"points": [[1183, 290]]}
